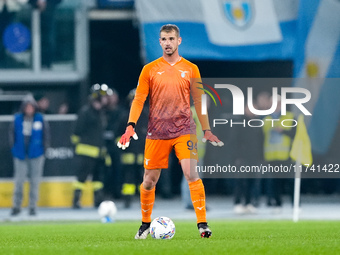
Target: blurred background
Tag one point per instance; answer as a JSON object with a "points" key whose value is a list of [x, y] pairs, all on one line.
{"points": [[58, 52]]}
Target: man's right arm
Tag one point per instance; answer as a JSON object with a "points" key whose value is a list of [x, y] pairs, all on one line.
{"points": [[137, 105], [142, 92]]}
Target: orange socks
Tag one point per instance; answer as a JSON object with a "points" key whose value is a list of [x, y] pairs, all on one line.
{"points": [[147, 199], [198, 200]]}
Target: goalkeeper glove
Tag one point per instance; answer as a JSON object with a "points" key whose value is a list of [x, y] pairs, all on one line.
{"points": [[209, 136], [124, 141]]}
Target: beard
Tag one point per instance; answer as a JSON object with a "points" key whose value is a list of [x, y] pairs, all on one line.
{"points": [[170, 53]]}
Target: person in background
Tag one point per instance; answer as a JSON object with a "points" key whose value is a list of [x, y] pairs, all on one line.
{"points": [[277, 146], [47, 10], [113, 176], [263, 100], [43, 103], [63, 108], [132, 158], [29, 137], [248, 144], [91, 155]]}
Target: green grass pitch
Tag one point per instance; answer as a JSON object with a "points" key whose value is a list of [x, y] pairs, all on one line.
{"points": [[229, 237]]}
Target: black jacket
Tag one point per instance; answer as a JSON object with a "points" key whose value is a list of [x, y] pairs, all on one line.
{"points": [[90, 126]]}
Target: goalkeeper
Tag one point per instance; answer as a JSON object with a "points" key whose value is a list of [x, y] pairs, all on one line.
{"points": [[167, 82]]}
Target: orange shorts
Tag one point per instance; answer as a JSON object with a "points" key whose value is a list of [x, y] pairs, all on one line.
{"points": [[157, 151]]}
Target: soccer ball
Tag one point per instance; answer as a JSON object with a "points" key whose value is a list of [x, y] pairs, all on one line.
{"points": [[162, 228], [107, 210]]}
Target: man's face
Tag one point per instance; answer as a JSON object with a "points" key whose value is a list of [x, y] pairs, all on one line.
{"points": [[169, 42], [113, 99], [97, 105], [29, 110], [43, 103]]}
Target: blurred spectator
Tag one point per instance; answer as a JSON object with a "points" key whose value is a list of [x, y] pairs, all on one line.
{"points": [[277, 145], [248, 144], [47, 9], [91, 157], [29, 137], [43, 103], [132, 158], [8, 10], [63, 108], [114, 113], [263, 100]]}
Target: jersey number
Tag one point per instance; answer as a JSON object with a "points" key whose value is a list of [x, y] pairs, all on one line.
{"points": [[191, 145]]}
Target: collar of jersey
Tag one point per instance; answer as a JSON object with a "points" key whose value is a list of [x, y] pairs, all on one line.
{"points": [[180, 59]]}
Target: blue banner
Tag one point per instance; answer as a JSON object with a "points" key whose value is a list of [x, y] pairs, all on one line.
{"points": [[317, 61], [221, 29]]}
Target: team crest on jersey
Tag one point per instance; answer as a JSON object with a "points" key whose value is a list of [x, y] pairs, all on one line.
{"points": [[239, 13], [183, 73]]}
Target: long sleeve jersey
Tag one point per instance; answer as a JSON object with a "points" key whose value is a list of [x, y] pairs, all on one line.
{"points": [[169, 88]]}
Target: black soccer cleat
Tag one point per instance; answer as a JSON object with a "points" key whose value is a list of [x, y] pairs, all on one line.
{"points": [[204, 230], [143, 231], [32, 212], [15, 211]]}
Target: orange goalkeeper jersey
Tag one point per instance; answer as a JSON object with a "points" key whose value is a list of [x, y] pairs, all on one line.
{"points": [[169, 88]]}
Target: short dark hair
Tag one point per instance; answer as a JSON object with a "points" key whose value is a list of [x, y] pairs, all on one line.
{"points": [[170, 27]]}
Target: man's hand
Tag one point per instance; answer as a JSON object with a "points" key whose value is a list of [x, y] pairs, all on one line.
{"points": [[124, 141], [208, 136]]}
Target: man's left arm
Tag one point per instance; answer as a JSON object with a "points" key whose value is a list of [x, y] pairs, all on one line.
{"points": [[196, 93]]}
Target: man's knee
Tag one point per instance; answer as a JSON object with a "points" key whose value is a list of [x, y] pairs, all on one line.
{"points": [[148, 184], [150, 179], [190, 178]]}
